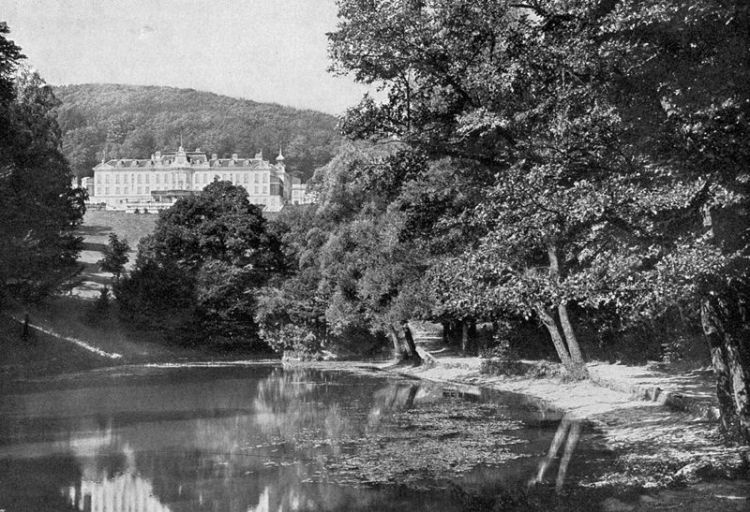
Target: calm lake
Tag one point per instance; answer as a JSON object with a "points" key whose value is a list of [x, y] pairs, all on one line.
{"points": [[257, 437]]}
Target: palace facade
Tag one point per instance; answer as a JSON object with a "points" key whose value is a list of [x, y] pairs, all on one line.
{"points": [[150, 185]]}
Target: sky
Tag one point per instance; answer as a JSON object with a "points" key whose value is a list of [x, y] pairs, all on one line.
{"points": [[263, 50]]}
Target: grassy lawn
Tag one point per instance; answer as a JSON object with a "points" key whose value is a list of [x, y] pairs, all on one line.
{"points": [[98, 224]]}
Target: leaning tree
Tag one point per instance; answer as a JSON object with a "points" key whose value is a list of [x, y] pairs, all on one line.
{"points": [[617, 131]]}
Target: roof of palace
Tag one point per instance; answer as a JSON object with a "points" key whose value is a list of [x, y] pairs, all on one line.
{"points": [[182, 159]]}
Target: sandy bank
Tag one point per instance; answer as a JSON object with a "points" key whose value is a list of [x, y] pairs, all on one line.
{"points": [[579, 399]]}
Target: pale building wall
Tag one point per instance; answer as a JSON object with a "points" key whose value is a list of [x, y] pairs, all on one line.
{"points": [[300, 195], [123, 183]]}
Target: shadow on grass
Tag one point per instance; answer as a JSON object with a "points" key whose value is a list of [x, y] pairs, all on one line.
{"points": [[86, 230], [91, 272], [92, 246]]}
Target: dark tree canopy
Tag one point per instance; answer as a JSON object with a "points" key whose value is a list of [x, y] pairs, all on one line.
{"points": [[198, 270], [40, 209]]}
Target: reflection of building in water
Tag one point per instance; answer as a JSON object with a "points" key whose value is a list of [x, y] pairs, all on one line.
{"points": [[127, 492], [292, 500]]}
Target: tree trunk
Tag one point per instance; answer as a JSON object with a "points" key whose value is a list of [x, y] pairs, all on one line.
{"points": [[450, 334], [413, 355], [724, 321], [577, 368], [557, 340], [739, 372], [464, 336], [473, 338], [724, 391], [573, 346], [398, 349]]}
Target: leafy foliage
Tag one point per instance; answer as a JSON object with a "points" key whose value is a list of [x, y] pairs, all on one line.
{"points": [[115, 255], [354, 266], [199, 268], [614, 131], [40, 209]]}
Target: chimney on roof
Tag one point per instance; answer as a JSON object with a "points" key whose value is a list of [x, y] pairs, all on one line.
{"points": [[214, 156], [234, 156], [158, 155]]}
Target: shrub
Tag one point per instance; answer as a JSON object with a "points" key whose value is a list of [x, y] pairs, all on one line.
{"points": [[293, 338]]}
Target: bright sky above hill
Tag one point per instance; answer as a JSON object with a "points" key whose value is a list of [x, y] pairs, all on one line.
{"points": [[263, 50]]}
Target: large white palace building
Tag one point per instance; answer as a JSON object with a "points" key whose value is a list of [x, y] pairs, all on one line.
{"points": [[150, 185]]}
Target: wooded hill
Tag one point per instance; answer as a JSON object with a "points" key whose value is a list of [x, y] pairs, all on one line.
{"points": [[134, 121]]}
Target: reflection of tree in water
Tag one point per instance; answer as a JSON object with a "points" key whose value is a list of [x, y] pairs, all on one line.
{"points": [[288, 408], [34, 484], [289, 440], [568, 432], [537, 494], [391, 398], [294, 406]]}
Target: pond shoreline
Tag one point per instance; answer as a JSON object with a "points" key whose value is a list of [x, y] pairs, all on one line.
{"points": [[580, 400], [674, 454], [662, 450]]}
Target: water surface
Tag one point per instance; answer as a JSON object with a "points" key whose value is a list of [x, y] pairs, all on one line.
{"points": [[258, 438]]}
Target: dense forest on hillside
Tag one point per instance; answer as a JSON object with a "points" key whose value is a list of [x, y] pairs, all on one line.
{"points": [[134, 121]]}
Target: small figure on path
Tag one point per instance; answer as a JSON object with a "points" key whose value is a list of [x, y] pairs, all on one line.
{"points": [[25, 332]]}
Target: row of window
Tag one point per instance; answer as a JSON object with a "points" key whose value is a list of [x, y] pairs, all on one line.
{"points": [[199, 178], [257, 189]]}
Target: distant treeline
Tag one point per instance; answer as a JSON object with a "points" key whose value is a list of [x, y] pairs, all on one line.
{"points": [[135, 121]]}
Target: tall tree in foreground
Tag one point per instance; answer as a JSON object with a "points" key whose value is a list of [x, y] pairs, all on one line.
{"points": [[686, 92], [482, 93], [617, 131], [40, 210]]}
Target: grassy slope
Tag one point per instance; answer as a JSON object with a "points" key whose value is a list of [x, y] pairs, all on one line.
{"points": [[40, 355], [98, 224], [68, 315]]}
